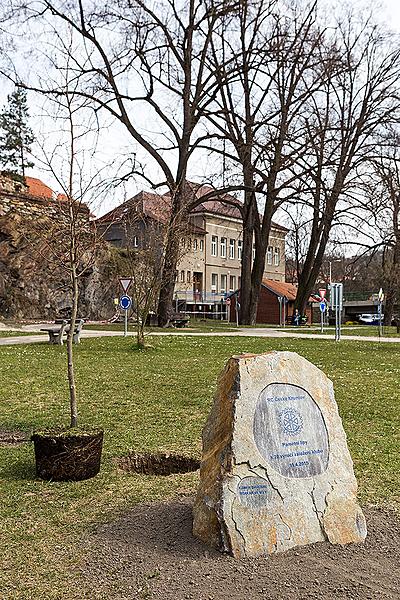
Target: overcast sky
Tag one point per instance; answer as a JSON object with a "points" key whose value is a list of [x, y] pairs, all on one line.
{"points": [[116, 140]]}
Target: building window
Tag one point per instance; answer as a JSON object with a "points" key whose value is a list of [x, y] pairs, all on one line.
{"points": [[239, 252], [194, 245], [201, 246], [276, 257], [188, 277], [183, 242], [232, 283], [231, 248], [223, 247], [135, 241], [176, 275], [223, 283], [214, 283], [254, 251], [182, 276], [214, 245], [269, 255], [189, 244], [239, 282]]}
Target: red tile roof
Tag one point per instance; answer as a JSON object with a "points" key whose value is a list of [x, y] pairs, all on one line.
{"points": [[146, 204], [218, 207], [36, 187], [282, 288], [158, 207]]}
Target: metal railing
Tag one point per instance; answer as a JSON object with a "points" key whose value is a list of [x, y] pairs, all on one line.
{"points": [[354, 296], [200, 297]]}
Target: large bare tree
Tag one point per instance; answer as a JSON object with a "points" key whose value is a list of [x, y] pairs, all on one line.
{"points": [[358, 98], [143, 63], [273, 53], [382, 213]]}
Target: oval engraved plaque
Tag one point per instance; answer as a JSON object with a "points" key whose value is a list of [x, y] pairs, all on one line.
{"points": [[254, 492], [290, 432]]}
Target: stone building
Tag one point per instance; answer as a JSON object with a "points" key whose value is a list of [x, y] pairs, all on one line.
{"points": [[209, 266]]}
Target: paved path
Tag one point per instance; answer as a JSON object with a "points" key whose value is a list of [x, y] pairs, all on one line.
{"points": [[244, 332]]}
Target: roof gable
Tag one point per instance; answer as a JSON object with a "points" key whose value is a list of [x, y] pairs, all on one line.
{"points": [[158, 206], [36, 187]]}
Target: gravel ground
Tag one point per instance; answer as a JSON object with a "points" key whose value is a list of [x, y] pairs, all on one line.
{"points": [[149, 552]]}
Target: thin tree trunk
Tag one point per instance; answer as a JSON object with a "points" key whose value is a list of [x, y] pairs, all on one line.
{"points": [[247, 259], [140, 333], [71, 372]]}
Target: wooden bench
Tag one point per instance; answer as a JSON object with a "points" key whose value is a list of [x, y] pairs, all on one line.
{"points": [[179, 321], [61, 328]]}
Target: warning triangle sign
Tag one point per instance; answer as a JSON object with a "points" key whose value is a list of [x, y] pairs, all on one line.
{"points": [[125, 283]]}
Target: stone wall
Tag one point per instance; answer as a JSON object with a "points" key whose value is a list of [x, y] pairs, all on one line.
{"points": [[31, 285]]}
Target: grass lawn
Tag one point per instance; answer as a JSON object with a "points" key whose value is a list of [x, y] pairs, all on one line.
{"points": [[158, 399]]}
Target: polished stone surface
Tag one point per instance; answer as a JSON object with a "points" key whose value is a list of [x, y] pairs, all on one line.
{"points": [[290, 432]]}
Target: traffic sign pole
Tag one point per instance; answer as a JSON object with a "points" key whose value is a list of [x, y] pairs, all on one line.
{"points": [[322, 308], [381, 297], [125, 303], [337, 303]]}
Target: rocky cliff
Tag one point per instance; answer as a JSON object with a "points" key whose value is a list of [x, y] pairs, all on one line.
{"points": [[33, 285]]}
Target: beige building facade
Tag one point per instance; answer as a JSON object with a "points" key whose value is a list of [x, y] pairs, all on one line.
{"points": [[210, 266]]}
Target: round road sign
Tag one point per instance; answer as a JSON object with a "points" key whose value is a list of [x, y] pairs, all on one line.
{"points": [[125, 302], [322, 306]]}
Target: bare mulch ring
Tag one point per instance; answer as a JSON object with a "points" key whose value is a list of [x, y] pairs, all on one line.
{"points": [[13, 438], [150, 553]]}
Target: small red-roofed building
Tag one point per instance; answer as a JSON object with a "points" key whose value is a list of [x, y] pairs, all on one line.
{"points": [[276, 303]]}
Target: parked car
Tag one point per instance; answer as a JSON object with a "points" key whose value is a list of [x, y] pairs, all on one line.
{"points": [[370, 319]]}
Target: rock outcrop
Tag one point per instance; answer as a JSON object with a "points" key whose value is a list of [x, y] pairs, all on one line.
{"points": [[33, 285], [276, 470]]}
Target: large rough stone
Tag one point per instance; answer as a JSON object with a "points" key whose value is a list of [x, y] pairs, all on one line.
{"points": [[276, 471]]}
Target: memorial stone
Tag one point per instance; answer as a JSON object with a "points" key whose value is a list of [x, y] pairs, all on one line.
{"points": [[276, 470]]}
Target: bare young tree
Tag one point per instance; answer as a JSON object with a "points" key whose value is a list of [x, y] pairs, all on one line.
{"points": [[141, 257], [65, 237]]}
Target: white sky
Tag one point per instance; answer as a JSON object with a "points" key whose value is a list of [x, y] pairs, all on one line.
{"points": [[116, 139]]}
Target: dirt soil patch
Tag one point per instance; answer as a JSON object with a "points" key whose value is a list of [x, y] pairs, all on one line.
{"points": [[150, 553], [157, 463]]}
